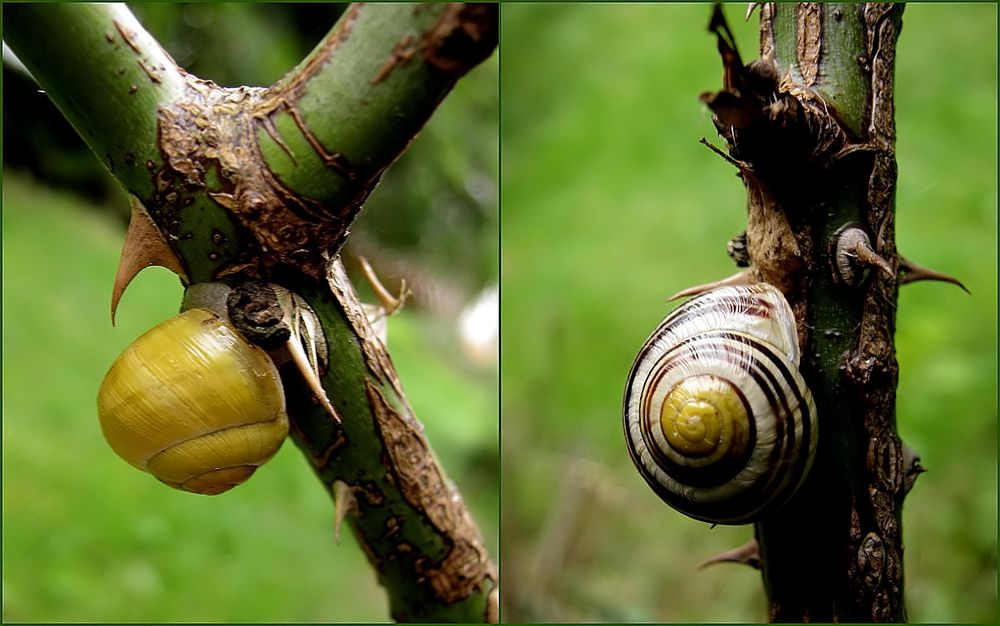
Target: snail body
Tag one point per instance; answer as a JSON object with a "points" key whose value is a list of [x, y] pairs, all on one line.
{"points": [[717, 418], [193, 403]]}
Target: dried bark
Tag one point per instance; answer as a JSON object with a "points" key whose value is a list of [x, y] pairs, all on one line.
{"points": [[810, 126]]}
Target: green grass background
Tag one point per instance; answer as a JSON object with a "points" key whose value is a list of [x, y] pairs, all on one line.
{"points": [[609, 204], [86, 538]]}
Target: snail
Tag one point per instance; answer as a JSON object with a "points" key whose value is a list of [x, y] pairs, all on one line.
{"points": [[197, 401], [194, 403], [717, 418]]}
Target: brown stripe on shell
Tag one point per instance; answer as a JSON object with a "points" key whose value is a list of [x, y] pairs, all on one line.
{"points": [[704, 349], [772, 486], [748, 300], [683, 355]]}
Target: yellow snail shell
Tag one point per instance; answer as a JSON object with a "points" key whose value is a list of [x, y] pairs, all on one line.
{"points": [[717, 418], [193, 403]]}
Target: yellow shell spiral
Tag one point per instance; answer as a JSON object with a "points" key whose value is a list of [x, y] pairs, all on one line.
{"points": [[717, 417], [704, 420], [194, 404]]}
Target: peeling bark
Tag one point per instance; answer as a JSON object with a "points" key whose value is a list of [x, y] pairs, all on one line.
{"points": [[211, 132], [815, 149], [406, 491]]}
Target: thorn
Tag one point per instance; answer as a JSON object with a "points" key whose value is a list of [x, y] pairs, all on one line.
{"points": [[747, 554], [910, 272], [390, 303], [343, 501], [913, 468], [740, 165], [863, 252], [310, 375], [740, 278], [750, 9], [144, 246], [853, 254], [306, 345]]}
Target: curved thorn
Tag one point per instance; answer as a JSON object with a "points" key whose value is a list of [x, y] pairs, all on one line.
{"points": [[913, 468], [910, 272], [866, 256], [344, 501], [390, 303], [747, 554], [743, 166], [750, 9], [309, 374], [144, 246], [744, 277]]}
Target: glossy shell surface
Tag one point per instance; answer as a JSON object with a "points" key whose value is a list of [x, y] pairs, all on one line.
{"points": [[194, 404], [717, 418]]}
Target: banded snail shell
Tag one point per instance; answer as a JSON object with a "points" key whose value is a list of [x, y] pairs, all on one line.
{"points": [[717, 417], [193, 403]]}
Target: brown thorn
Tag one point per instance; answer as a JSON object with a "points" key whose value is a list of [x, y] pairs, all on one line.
{"points": [[740, 278], [390, 303], [751, 6], [144, 246], [866, 256], [913, 468], [747, 554], [740, 165], [910, 272], [343, 499]]}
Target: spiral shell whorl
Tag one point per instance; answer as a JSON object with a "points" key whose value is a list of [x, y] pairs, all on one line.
{"points": [[717, 418], [194, 404]]}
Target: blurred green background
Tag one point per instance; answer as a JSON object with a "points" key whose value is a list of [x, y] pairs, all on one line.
{"points": [[610, 205], [86, 537]]}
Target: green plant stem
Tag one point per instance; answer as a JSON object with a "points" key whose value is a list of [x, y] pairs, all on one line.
{"points": [[262, 184], [835, 553], [78, 55]]}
